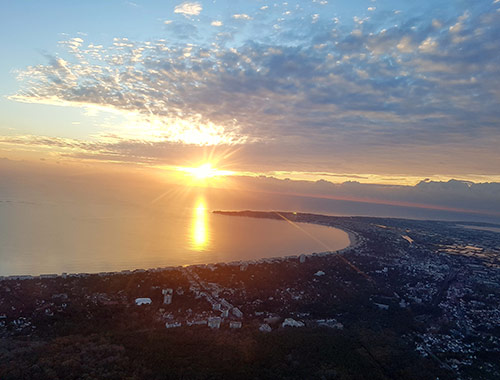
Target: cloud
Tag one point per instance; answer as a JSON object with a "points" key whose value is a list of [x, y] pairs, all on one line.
{"points": [[309, 95], [216, 23], [452, 198], [242, 16], [189, 8]]}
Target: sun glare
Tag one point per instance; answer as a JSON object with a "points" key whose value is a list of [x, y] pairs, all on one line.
{"points": [[205, 171]]}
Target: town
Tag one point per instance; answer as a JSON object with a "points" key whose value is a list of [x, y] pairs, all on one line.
{"points": [[407, 299]]}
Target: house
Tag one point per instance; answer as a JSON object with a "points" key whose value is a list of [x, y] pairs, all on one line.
{"points": [[290, 322], [214, 322], [216, 306], [225, 304], [170, 325], [331, 323], [235, 324], [143, 301], [196, 322], [265, 328], [237, 312], [48, 276], [167, 296]]}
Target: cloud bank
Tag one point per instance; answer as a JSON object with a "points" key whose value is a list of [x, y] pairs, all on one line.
{"points": [[426, 85]]}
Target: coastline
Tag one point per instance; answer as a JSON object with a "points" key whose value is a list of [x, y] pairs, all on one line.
{"points": [[329, 295], [354, 242], [354, 238]]}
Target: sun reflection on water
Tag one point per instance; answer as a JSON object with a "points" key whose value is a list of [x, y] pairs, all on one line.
{"points": [[199, 228]]}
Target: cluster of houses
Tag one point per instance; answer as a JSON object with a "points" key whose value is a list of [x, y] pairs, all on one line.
{"points": [[222, 311]]}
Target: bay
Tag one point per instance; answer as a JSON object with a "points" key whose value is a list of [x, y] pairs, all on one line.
{"points": [[84, 235]]}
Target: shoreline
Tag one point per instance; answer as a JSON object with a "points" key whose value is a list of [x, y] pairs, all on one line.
{"points": [[354, 242]]}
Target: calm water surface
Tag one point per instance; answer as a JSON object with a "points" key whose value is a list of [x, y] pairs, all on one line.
{"points": [[55, 237]]}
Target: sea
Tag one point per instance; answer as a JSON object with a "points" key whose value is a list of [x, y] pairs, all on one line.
{"points": [[51, 225], [87, 236]]}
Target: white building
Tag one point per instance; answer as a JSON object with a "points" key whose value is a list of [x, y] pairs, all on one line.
{"points": [[143, 301], [170, 325], [290, 322], [48, 275], [167, 296]]}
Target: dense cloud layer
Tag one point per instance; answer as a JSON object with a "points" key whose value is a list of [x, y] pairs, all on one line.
{"points": [[427, 85]]}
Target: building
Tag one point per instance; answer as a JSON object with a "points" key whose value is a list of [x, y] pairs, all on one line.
{"points": [[237, 312], [48, 276], [216, 306], [198, 322], [214, 322], [235, 324], [167, 296], [290, 322], [265, 328], [143, 301], [170, 325]]}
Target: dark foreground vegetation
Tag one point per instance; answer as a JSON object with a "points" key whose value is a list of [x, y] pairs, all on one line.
{"points": [[199, 353]]}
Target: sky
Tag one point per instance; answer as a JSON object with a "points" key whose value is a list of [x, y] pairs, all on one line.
{"points": [[374, 92]]}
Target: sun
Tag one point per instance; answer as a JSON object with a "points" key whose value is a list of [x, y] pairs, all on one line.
{"points": [[205, 171]]}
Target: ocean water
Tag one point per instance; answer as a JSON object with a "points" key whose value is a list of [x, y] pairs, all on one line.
{"points": [[78, 223], [93, 235]]}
